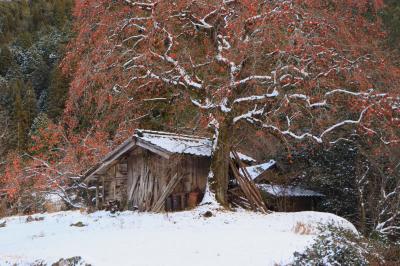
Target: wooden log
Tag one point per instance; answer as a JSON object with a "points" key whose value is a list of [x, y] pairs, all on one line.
{"points": [[247, 184], [238, 199], [251, 183], [252, 187], [149, 190], [133, 187], [168, 189], [156, 195], [135, 177], [242, 185], [143, 187]]}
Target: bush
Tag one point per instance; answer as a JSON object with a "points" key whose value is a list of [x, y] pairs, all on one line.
{"points": [[337, 246], [388, 248]]}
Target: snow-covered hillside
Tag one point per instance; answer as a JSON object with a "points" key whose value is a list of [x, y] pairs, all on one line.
{"points": [[182, 238]]}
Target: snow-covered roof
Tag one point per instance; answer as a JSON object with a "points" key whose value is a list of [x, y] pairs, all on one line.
{"points": [[287, 191], [182, 144], [162, 143], [256, 170], [175, 143]]}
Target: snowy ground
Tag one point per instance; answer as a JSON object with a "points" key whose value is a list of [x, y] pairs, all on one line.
{"points": [[182, 238]]}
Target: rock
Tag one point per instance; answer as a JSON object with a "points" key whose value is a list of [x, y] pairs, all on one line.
{"points": [[208, 214], [3, 224], [78, 224], [31, 219], [73, 261], [38, 263]]}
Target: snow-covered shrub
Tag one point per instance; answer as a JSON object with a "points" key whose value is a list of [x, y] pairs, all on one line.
{"points": [[73, 261], [334, 247], [388, 248]]}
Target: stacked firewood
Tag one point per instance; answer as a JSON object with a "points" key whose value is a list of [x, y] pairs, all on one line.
{"points": [[159, 204], [145, 191], [252, 195], [238, 199]]}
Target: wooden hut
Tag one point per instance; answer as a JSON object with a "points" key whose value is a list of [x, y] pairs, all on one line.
{"points": [[289, 198], [154, 171], [260, 172], [281, 197]]}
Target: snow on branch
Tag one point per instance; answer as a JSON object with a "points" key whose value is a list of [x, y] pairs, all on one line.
{"points": [[318, 138], [201, 23], [57, 181], [250, 78], [252, 98], [249, 114], [345, 122], [207, 105], [389, 204], [144, 5], [349, 92], [181, 70], [307, 99]]}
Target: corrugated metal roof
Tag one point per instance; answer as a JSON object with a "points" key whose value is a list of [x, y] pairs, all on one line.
{"points": [[287, 191]]}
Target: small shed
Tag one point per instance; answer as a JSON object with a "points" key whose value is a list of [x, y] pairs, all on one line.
{"points": [[259, 172], [289, 198], [154, 171]]}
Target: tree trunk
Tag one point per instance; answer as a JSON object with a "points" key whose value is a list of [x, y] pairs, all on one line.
{"points": [[363, 217], [220, 162]]}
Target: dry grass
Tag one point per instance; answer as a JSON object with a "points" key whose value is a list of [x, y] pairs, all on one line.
{"points": [[3, 208], [303, 229], [51, 207]]}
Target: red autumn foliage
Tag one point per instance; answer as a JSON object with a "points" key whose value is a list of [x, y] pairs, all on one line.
{"points": [[141, 64]]}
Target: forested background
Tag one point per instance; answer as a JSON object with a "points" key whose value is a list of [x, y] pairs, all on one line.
{"points": [[59, 114], [33, 35]]}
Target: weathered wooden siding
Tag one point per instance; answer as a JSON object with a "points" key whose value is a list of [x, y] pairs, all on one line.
{"points": [[138, 179], [112, 184]]}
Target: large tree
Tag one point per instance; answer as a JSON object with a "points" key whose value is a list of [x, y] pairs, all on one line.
{"points": [[293, 68]]}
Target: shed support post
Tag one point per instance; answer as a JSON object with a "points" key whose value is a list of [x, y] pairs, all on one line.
{"points": [[103, 196], [97, 195]]}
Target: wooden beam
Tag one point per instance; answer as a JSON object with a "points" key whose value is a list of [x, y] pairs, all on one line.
{"points": [[97, 195], [169, 188], [109, 160], [103, 196], [247, 185]]}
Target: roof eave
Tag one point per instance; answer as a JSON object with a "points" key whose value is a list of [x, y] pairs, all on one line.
{"points": [[123, 148]]}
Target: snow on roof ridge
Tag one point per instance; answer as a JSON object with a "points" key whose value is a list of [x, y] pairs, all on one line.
{"points": [[202, 147], [256, 170], [290, 190], [170, 134]]}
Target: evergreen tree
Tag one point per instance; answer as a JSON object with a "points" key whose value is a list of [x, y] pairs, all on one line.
{"points": [[20, 118], [57, 94], [23, 113], [59, 12], [30, 104], [391, 18], [6, 59], [37, 31], [40, 121]]}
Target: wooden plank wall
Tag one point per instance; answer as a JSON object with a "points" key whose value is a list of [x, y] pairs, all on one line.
{"points": [[114, 183], [138, 179], [143, 180]]}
